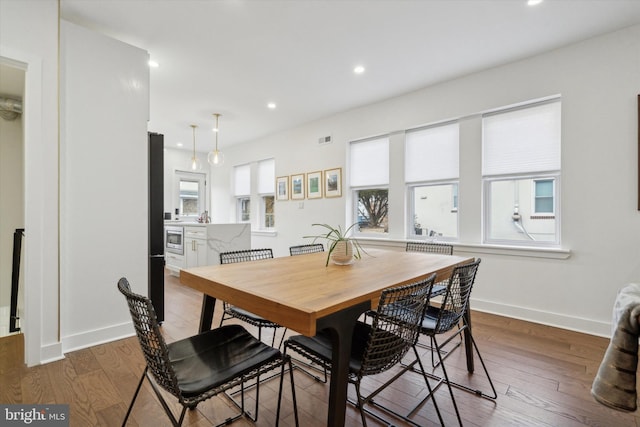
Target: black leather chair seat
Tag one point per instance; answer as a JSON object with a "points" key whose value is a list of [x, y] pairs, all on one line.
{"points": [[319, 346], [215, 357], [431, 317]]}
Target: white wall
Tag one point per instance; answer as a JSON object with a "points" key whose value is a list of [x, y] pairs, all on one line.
{"points": [[11, 200], [104, 183], [36, 49], [599, 80]]}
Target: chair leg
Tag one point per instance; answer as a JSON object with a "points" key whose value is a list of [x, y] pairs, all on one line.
{"points": [[477, 392], [446, 380], [166, 408], [431, 391], [293, 391], [135, 396]]}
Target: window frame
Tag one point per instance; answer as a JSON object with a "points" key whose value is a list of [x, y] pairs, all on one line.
{"points": [[532, 174], [355, 219], [486, 210], [263, 212], [201, 179], [411, 233], [239, 209]]}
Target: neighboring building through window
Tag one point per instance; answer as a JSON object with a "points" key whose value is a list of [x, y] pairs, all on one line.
{"points": [[369, 182], [521, 172]]}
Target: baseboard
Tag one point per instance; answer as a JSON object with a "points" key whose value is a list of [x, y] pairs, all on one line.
{"points": [[96, 337], [578, 324]]}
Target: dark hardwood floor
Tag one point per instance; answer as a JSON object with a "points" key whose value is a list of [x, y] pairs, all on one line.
{"points": [[542, 374]]}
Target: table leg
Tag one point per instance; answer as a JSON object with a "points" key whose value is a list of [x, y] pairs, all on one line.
{"points": [[468, 346], [340, 327], [206, 316]]}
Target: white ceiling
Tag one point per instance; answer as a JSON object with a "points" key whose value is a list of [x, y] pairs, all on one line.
{"points": [[235, 56]]}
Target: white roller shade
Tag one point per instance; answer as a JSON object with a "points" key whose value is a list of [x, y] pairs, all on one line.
{"points": [[522, 140], [266, 176], [432, 153], [242, 180], [370, 162]]}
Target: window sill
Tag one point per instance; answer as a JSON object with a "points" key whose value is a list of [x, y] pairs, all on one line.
{"points": [[476, 248], [264, 233]]}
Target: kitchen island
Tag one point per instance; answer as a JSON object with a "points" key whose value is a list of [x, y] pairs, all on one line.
{"points": [[203, 243]]}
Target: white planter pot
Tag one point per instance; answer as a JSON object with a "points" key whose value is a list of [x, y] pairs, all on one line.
{"points": [[342, 253]]}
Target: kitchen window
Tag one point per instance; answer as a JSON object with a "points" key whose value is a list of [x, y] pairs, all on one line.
{"points": [[191, 193]]}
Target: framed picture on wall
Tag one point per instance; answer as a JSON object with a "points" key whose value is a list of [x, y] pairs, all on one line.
{"points": [[333, 182], [297, 187], [282, 188], [314, 185]]}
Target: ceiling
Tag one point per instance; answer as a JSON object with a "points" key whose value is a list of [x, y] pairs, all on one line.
{"points": [[235, 56]]}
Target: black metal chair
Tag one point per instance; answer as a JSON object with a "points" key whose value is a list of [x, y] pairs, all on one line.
{"points": [[438, 288], [230, 311], [197, 368], [306, 249], [430, 247], [301, 250], [449, 315], [379, 346]]}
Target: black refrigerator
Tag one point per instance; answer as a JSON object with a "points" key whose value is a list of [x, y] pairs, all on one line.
{"points": [[156, 223]]}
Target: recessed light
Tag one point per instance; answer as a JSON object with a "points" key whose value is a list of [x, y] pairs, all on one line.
{"points": [[179, 144], [359, 69], [533, 2], [153, 64], [271, 106]]}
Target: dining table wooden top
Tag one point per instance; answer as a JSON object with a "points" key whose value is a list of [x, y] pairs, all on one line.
{"points": [[296, 291]]}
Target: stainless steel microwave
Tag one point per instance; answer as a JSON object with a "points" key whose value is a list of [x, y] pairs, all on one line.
{"points": [[174, 239]]}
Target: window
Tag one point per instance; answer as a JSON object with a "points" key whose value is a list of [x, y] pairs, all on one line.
{"points": [[266, 190], [242, 192], [369, 180], [543, 192], [521, 172], [431, 173], [244, 209], [268, 212], [191, 193]]}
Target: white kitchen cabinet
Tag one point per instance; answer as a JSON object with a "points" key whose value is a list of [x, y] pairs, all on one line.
{"points": [[174, 263], [195, 246], [203, 243]]}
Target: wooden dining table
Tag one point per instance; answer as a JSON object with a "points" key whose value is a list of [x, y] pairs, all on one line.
{"points": [[304, 295]]}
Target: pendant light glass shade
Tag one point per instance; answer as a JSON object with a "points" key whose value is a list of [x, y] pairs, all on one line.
{"points": [[215, 157], [195, 164]]}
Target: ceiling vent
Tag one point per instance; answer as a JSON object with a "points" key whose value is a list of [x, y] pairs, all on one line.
{"points": [[325, 140]]}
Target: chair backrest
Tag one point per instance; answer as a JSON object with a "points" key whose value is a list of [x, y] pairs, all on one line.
{"points": [[456, 298], [306, 249], [151, 340], [245, 255], [395, 326], [430, 247]]}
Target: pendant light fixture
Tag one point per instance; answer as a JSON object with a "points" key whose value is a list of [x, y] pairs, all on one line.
{"points": [[215, 157], [195, 161]]}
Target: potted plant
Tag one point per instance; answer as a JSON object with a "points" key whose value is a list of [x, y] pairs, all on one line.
{"points": [[340, 248]]}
